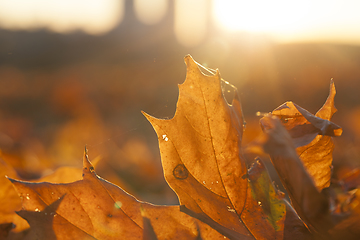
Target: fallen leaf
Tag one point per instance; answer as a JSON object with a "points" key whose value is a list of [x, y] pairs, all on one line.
{"points": [[311, 205], [93, 208], [311, 135], [200, 150], [9, 200], [203, 162], [349, 225]]}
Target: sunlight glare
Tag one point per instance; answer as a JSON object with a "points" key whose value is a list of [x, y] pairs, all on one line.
{"points": [[260, 15], [292, 21]]}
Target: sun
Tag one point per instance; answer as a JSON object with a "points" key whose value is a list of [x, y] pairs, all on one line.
{"points": [[261, 15]]}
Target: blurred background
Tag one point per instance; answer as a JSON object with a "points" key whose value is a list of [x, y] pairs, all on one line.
{"points": [[78, 72]]}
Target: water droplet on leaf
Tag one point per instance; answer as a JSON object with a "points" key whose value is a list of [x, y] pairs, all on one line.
{"points": [[165, 137]]}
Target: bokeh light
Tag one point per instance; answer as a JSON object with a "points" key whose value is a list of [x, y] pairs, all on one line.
{"points": [[91, 16], [150, 12], [191, 19]]}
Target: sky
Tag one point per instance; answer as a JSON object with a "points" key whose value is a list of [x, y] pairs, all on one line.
{"points": [[283, 21]]}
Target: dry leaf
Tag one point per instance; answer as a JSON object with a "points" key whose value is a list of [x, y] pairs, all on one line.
{"points": [[93, 208], [9, 200], [203, 162], [200, 150], [312, 136], [311, 205], [349, 225]]}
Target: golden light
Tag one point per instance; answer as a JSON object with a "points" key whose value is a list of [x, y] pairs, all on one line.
{"points": [[150, 12], [261, 15], [92, 16], [289, 21], [190, 21]]}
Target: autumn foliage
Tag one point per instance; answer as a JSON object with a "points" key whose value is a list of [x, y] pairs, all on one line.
{"points": [[204, 163]]}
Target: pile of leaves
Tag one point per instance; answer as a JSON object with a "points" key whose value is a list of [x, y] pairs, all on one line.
{"points": [[203, 162]]}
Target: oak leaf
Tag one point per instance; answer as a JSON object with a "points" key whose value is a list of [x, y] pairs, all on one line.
{"points": [[11, 223], [311, 205], [93, 208], [312, 136], [203, 162], [300, 146], [220, 197]]}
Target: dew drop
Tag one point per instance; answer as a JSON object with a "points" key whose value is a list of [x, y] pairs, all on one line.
{"points": [[231, 210], [259, 203], [165, 137], [37, 210], [217, 181], [52, 193], [27, 196], [204, 182]]}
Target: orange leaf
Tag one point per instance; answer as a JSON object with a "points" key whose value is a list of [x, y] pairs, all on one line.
{"points": [[349, 225], [311, 205], [203, 162], [93, 208], [200, 150], [312, 136], [9, 200]]}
